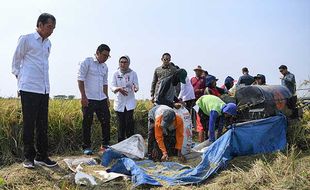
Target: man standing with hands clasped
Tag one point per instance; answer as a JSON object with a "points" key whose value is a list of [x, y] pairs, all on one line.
{"points": [[30, 66], [93, 86]]}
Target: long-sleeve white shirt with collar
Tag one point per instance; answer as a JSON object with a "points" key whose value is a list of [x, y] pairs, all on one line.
{"points": [[95, 76], [128, 81], [187, 91], [30, 63]]}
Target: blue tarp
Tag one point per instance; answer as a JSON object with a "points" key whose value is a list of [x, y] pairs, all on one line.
{"points": [[258, 136]]}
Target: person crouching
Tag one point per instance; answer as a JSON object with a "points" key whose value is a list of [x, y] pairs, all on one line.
{"points": [[165, 134], [213, 113]]}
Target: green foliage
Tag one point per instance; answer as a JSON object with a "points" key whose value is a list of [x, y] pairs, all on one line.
{"points": [[298, 133], [281, 170], [10, 130], [2, 182], [65, 127]]}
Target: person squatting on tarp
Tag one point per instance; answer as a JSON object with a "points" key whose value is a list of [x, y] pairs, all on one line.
{"points": [[213, 113], [165, 133]]}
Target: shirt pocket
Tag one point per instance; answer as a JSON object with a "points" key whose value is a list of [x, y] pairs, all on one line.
{"points": [[102, 70], [46, 51]]}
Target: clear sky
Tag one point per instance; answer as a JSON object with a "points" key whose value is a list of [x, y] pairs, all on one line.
{"points": [[221, 36]]}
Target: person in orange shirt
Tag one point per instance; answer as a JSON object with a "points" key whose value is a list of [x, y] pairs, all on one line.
{"points": [[165, 133]]}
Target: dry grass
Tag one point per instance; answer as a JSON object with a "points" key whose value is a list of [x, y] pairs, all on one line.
{"points": [[283, 170], [65, 127]]}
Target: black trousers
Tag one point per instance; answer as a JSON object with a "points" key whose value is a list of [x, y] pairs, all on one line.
{"points": [[101, 108], [125, 124], [35, 118], [292, 105], [189, 104]]}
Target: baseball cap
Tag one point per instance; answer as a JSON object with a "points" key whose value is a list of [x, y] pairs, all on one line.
{"points": [[210, 79], [230, 109], [168, 118]]}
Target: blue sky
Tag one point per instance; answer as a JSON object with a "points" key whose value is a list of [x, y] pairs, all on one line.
{"points": [[221, 36]]}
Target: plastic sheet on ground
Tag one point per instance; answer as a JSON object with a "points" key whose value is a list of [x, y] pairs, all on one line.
{"points": [[133, 147], [75, 164], [88, 172], [258, 136]]}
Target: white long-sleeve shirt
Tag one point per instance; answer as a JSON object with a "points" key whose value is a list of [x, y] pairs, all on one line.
{"points": [[187, 91], [95, 76], [30, 63], [128, 81]]}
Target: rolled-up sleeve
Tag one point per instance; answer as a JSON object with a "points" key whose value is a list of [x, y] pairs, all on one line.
{"points": [[114, 83], [135, 80], [19, 55], [82, 70], [105, 78]]}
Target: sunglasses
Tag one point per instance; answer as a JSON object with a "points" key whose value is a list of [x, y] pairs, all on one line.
{"points": [[123, 61], [166, 59]]}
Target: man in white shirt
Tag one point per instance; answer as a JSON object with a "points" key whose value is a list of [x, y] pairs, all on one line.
{"points": [[93, 86], [30, 66]]}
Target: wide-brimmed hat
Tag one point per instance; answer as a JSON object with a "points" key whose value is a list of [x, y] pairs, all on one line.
{"points": [[198, 68]]}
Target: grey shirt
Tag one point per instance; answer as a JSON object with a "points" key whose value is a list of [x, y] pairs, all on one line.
{"points": [[160, 73], [289, 81], [245, 79], [165, 94]]}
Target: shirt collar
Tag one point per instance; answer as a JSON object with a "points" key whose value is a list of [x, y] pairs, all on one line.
{"points": [[165, 66], [97, 62], [95, 59], [37, 35]]}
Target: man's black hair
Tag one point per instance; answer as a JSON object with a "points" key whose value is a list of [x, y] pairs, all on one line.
{"points": [[283, 67], [245, 69], [43, 18], [103, 47], [168, 54]]}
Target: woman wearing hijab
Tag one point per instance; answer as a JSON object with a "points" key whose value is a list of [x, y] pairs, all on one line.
{"points": [[125, 85]]}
